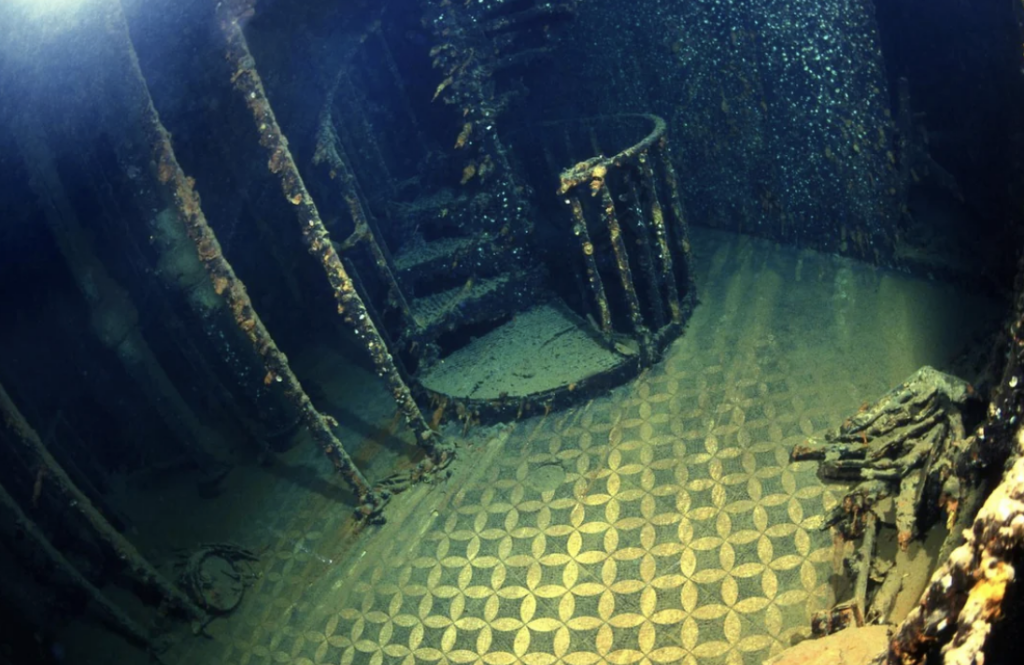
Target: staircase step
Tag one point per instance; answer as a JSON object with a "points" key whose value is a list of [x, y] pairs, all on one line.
{"points": [[446, 264], [432, 257], [480, 299]]}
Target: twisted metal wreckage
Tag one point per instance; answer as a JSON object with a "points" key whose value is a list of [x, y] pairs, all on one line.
{"points": [[912, 445]]}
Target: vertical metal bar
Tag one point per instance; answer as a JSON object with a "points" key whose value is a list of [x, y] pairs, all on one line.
{"points": [[682, 229], [31, 542], [570, 151], [329, 150], [178, 191], [593, 276], [318, 242], [23, 436], [650, 187], [621, 259], [396, 78], [645, 255]]}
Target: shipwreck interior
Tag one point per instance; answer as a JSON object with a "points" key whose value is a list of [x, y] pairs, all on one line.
{"points": [[511, 331]]}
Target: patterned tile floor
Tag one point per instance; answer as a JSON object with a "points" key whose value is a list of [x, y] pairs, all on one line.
{"points": [[661, 524]]}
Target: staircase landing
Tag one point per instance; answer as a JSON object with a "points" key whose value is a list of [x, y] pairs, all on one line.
{"points": [[539, 350]]}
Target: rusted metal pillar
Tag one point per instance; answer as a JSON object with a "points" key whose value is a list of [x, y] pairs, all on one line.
{"points": [[650, 189], [22, 436], [643, 245], [329, 151], [611, 220], [178, 190], [682, 230], [318, 242], [112, 313], [29, 541], [593, 276]]}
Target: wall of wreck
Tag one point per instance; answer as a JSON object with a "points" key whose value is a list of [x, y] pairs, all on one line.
{"points": [[778, 111]]}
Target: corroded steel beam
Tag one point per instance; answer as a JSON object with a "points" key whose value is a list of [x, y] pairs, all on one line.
{"points": [[650, 189], [593, 276], [330, 151], [179, 192], [25, 438], [315, 236], [611, 220]]}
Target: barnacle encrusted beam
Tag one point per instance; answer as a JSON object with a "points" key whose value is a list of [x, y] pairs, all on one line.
{"points": [[30, 542], [318, 242], [642, 226], [650, 190], [593, 276], [659, 244], [611, 220], [330, 152], [22, 436], [681, 229], [113, 316], [177, 189]]}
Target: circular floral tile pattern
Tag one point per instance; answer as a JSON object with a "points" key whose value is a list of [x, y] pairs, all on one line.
{"points": [[680, 533]]}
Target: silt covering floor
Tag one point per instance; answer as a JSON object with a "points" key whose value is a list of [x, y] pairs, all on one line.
{"points": [[663, 523]]}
